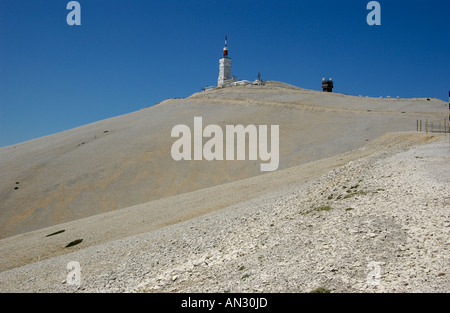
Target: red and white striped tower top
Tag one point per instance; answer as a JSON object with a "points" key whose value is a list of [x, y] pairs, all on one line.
{"points": [[225, 49]]}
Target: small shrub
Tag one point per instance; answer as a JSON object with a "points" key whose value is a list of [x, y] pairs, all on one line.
{"points": [[320, 209], [323, 208], [356, 193]]}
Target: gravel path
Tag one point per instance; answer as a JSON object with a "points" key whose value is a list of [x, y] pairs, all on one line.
{"points": [[377, 224]]}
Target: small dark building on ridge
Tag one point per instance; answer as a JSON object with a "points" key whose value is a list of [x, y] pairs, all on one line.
{"points": [[327, 84]]}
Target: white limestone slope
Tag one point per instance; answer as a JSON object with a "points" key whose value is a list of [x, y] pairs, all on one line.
{"points": [[316, 226], [125, 161]]}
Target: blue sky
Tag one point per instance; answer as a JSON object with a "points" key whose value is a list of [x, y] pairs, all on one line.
{"points": [[127, 55]]}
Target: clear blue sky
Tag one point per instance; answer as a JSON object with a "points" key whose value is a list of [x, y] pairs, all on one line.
{"points": [[127, 55]]}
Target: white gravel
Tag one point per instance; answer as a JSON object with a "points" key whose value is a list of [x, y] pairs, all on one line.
{"points": [[391, 208]]}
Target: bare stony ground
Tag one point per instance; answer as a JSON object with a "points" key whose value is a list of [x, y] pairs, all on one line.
{"points": [[125, 161], [382, 210], [360, 202]]}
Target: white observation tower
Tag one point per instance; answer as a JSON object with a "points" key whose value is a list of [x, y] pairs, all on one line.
{"points": [[224, 67]]}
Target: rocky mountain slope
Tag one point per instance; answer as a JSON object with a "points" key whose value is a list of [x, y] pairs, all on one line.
{"points": [[376, 220], [124, 161]]}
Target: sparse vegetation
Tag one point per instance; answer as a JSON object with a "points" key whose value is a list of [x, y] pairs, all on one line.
{"points": [[350, 192], [245, 276], [320, 209], [323, 208], [356, 193]]}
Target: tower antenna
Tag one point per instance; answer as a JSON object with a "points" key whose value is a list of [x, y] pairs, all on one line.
{"points": [[225, 49]]}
